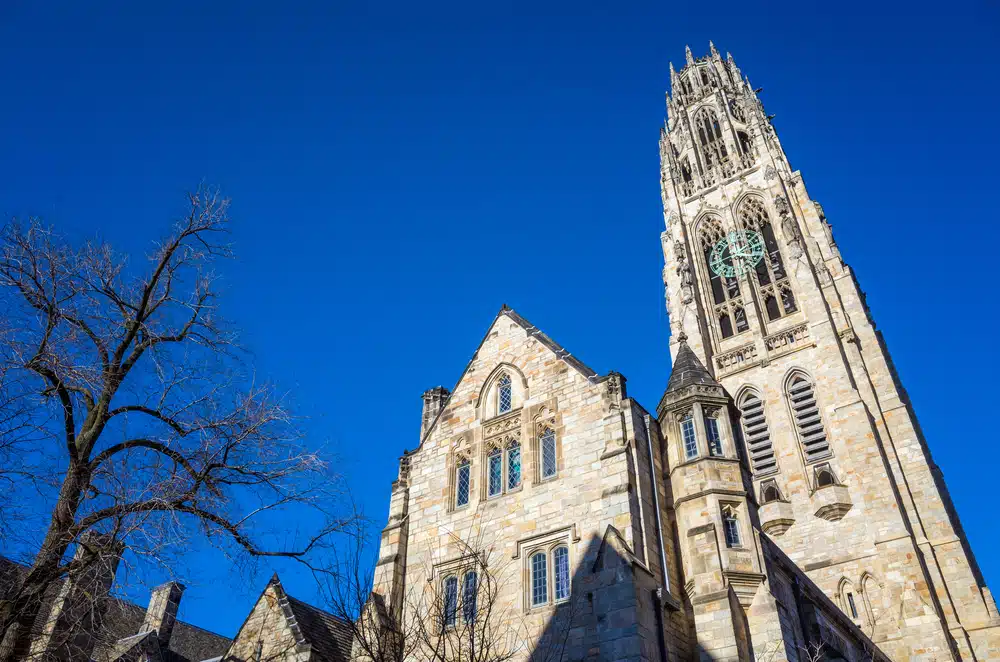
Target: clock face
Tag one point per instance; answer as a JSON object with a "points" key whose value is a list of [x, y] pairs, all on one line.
{"points": [[736, 253]]}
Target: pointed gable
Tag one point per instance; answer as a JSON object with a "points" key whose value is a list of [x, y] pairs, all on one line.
{"points": [[688, 370]]}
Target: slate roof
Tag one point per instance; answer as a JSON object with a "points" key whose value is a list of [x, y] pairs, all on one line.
{"points": [[688, 370], [122, 620], [329, 636]]}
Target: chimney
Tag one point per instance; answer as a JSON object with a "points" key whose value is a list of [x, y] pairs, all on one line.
{"points": [[162, 611], [69, 632], [434, 400]]}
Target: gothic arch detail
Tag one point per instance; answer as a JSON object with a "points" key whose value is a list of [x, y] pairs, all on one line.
{"points": [[489, 403], [800, 391], [769, 275], [712, 143], [756, 432], [727, 300]]}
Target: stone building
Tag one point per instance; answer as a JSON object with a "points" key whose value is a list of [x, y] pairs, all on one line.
{"points": [[780, 501]]}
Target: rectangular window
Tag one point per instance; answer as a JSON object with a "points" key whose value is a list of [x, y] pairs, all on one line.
{"points": [[560, 562], [714, 440], [548, 442], [731, 528], [850, 603], [462, 484], [495, 472], [513, 466], [450, 601], [470, 591], [690, 442]]}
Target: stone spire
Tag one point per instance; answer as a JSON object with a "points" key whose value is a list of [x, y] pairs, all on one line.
{"points": [[688, 370]]}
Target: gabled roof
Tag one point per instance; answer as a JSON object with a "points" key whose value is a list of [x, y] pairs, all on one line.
{"points": [[533, 332], [687, 370]]}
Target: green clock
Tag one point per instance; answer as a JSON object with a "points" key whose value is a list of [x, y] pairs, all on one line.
{"points": [[736, 253]]}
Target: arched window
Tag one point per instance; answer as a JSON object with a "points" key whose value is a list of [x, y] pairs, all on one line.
{"points": [[758, 437], [505, 396], [713, 437], [825, 476], [746, 149], [494, 473], [808, 422], [560, 565], [513, 465], [547, 442], [731, 527], [775, 290], [769, 492], [847, 600], [713, 145], [470, 591], [726, 294], [539, 579], [688, 436], [463, 478], [450, 607]]}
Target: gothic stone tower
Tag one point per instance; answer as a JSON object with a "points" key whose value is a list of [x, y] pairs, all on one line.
{"points": [[840, 475]]}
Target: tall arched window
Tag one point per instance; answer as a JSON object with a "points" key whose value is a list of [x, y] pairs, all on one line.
{"points": [[729, 310], [494, 472], [463, 479], [470, 590], [450, 607], [513, 465], [775, 291], [560, 565], [505, 396], [539, 579], [808, 421], [547, 442], [758, 437], [713, 145], [847, 600]]}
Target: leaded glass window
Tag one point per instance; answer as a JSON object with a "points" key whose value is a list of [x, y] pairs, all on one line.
{"points": [[513, 465], [494, 468], [731, 527], [539, 579], [690, 441], [548, 444], [560, 565], [470, 590], [714, 439], [505, 398], [450, 601], [463, 476]]}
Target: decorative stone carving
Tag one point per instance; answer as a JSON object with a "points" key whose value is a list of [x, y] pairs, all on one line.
{"points": [[770, 173], [792, 237], [781, 205], [776, 517], [741, 357], [507, 424], [823, 273], [786, 340]]}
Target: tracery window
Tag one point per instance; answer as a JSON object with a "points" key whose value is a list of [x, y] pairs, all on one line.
{"points": [[808, 421], [463, 479], [713, 145], [545, 563], [503, 466], [505, 396], [688, 435], [470, 590], [758, 437], [547, 443], [772, 280], [714, 439], [726, 295]]}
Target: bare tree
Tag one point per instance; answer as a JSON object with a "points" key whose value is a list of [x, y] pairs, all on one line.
{"points": [[145, 406]]}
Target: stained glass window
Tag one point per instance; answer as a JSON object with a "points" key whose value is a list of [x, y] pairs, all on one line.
{"points": [[495, 472], [548, 444], [464, 474], [513, 465], [504, 395], [560, 565], [731, 527], [687, 432], [450, 601], [469, 591], [539, 579], [714, 440]]}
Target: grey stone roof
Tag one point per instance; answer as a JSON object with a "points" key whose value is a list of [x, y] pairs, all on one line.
{"points": [[122, 620], [688, 370], [329, 637]]}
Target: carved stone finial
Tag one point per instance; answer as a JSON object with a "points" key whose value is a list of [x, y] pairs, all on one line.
{"points": [[682, 337], [711, 48], [688, 56]]}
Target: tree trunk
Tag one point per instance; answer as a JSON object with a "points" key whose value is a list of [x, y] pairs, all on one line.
{"points": [[17, 616]]}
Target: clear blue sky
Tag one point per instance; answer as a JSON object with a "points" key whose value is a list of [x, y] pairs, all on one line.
{"points": [[400, 170]]}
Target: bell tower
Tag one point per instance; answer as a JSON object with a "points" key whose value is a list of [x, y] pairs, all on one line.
{"points": [[840, 475]]}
